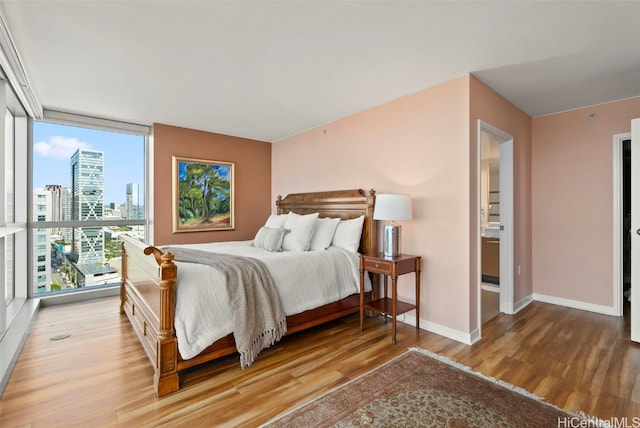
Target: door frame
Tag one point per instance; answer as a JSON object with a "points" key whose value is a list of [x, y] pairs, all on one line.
{"points": [[506, 218], [635, 231], [618, 226]]}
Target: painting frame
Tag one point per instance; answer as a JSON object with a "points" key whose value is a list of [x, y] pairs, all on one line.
{"points": [[194, 177]]}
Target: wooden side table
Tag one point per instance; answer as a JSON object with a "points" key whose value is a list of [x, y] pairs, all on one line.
{"points": [[390, 267]]}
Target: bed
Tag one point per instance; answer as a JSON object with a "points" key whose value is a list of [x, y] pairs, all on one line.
{"points": [[148, 289]]}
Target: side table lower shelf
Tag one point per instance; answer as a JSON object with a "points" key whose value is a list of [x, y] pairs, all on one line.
{"points": [[385, 306]]}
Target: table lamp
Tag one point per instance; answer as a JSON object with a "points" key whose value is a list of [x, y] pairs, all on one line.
{"points": [[390, 207]]}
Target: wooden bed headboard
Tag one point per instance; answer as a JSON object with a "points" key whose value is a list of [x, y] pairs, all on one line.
{"points": [[344, 204]]}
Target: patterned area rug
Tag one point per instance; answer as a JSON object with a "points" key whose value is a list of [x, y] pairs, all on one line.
{"points": [[422, 389]]}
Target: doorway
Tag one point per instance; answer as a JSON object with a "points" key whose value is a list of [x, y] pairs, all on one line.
{"points": [[626, 227], [622, 224], [498, 226], [489, 225]]}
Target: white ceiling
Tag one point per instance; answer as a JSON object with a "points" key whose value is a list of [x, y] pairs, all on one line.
{"points": [[270, 69]]}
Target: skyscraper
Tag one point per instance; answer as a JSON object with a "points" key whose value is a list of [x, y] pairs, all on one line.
{"points": [[87, 196], [133, 201], [42, 211], [56, 201], [56, 204], [66, 203]]}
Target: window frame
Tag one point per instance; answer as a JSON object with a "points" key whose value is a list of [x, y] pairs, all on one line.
{"points": [[63, 118], [14, 226]]}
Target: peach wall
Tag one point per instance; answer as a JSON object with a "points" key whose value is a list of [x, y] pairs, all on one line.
{"points": [[572, 201], [488, 106], [425, 144], [252, 181], [418, 145]]}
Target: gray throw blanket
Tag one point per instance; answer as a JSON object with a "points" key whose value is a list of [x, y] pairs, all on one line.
{"points": [[258, 318]]}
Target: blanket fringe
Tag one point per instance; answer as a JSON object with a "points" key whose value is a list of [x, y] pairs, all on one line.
{"points": [[264, 340]]}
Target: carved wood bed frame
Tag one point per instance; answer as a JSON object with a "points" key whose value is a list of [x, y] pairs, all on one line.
{"points": [[147, 293]]}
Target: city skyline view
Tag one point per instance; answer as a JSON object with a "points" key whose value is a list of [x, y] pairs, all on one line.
{"points": [[78, 173], [54, 144]]}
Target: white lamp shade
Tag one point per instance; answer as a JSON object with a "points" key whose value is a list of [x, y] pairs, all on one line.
{"points": [[392, 207]]}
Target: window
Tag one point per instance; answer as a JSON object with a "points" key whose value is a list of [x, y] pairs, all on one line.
{"points": [[9, 262], [13, 214], [82, 170]]}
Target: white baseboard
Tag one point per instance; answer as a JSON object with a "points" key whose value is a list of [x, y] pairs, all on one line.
{"points": [[474, 336], [575, 304], [490, 287], [569, 303], [523, 303], [458, 336]]}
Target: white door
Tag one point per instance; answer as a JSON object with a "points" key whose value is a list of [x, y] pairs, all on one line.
{"points": [[635, 230]]}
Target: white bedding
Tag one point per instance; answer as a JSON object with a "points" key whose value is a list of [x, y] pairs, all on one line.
{"points": [[305, 280]]}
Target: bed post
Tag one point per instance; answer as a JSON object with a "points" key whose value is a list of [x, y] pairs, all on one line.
{"points": [[166, 379], [370, 240]]}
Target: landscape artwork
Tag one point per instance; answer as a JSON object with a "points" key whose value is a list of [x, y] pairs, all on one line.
{"points": [[202, 195]]}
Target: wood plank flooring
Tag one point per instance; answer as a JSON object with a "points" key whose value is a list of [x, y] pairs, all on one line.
{"points": [[100, 376]]}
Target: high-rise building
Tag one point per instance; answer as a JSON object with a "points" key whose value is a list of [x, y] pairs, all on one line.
{"points": [[56, 204], [87, 196], [56, 201], [66, 202], [133, 201], [42, 211]]}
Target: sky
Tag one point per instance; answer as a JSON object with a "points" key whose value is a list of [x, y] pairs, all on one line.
{"points": [[53, 146]]}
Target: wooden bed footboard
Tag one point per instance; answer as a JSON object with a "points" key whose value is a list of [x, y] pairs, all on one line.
{"points": [[147, 297], [148, 294]]}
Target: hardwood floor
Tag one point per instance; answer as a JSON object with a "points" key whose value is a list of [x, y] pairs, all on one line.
{"points": [[100, 376], [489, 306]]}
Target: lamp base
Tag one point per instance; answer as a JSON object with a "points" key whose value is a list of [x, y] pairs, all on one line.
{"points": [[391, 240]]}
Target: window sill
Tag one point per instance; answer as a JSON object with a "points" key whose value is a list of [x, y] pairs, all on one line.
{"points": [[79, 296]]}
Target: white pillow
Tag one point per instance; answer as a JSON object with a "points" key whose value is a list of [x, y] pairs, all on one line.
{"points": [[323, 233], [348, 234], [276, 221], [270, 239], [299, 230]]}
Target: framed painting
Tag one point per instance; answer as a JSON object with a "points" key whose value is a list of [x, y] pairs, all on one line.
{"points": [[202, 195]]}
